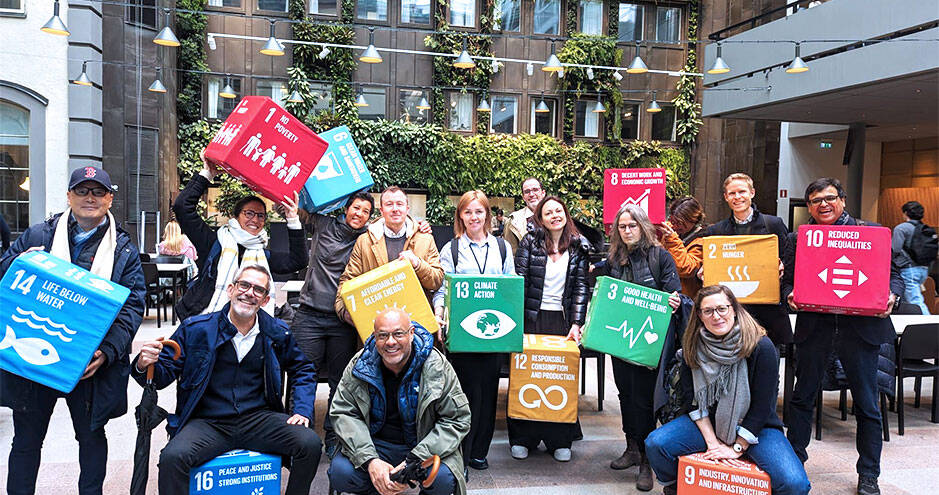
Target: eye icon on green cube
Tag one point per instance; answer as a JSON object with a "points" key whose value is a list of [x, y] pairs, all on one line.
{"points": [[488, 324], [485, 313]]}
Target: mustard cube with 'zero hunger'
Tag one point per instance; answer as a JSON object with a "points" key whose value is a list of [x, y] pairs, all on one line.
{"points": [[392, 284], [543, 379]]}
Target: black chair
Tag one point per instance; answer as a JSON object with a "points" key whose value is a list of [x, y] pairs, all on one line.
{"points": [[144, 258], [601, 374], [835, 380], [918, 345], [151, 277], [165, 258]]}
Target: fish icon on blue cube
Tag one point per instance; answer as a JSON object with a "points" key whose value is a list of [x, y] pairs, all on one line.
{"points": [[53, 316], [340, 173]]}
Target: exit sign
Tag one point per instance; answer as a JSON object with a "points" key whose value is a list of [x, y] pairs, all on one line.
{"points": [[825, 145]]}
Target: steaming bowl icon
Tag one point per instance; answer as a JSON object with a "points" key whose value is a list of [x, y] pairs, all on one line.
{"points": [[742, 289]]}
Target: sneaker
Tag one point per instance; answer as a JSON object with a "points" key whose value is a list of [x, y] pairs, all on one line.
{"points": [[478, 464], [867, 485], [519, 452], [629, 459], [562, 455]]}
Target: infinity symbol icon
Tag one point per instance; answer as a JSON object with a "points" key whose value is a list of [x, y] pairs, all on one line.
{"points": [[543, 394]]}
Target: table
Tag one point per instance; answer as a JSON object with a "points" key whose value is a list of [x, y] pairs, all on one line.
{"points": [[178, 272], [292, 288]]}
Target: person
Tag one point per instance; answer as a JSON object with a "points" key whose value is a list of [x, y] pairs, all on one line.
{"points": [[241, 242], [398, 401], [746, 219], [393, 237], [856, 339], [5, 235], [87, 235], [553, 260], [681, 237], [520, 222], [732, 371], [175, 243], [228, 387], [636, 257], [328, 341], [476, 251], [498, 223], [913, 273]]}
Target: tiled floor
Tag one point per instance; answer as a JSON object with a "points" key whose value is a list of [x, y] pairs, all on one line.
{"points": [[908, 463]]}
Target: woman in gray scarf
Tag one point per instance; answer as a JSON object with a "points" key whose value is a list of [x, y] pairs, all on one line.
{"points": [[734, 370]]}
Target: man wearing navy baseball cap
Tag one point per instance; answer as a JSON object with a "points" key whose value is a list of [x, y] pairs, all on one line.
{"points": [[90, 238]]}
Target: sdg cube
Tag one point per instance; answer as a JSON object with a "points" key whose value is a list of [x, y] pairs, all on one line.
{"points": [[340, 173], [842, 269], [627, 321], [265, 147], [543, 379], [643, 187], [700, 476], [392, 284], [53, 316], [484, 313], [748, 265], [237, 472]]}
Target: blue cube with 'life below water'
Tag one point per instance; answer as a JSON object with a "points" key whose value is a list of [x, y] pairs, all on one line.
{"points": [[237, 472]]}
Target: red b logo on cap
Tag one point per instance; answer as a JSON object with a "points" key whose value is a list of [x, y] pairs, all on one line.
{"points": [[89, 172]]}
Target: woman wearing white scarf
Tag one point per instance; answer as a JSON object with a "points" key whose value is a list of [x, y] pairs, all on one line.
{"points": [[733, 369]]}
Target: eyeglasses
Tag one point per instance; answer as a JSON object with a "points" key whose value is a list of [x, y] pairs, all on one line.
{"points": [[258, 290], [533, 190], [721, 310], [629, 226], [98, 192], [824, 199], [254, 214], [397, 334]]}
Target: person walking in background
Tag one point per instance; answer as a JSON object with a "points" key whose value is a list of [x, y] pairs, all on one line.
{"points": [[5, 235], [914, 248], [498, 223], [681, 236], [520, 222]]}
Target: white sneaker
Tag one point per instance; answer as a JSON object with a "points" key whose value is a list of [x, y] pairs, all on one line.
{"points": [[521, 452], [562, 455]]}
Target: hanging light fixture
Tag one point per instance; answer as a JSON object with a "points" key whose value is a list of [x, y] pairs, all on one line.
{"points": [[227, 92], [272, 47], [553, 64], [483, 106], [617, 75], [55, 25], [360, 101], [370, 55], [797, 66], [590, 73], [637, 66], [464, 61], [495, 67], [25, 184], [295, 97], [82, 79], [166, 37], [210, 40], [599, 108], [542, 107], [324, 52], [654, 106], [157, 85], [719, 66], [423, 104]]}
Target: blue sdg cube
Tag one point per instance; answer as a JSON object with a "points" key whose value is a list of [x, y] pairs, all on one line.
{"points": [[53, 316], [339, 174], [240, 472]]}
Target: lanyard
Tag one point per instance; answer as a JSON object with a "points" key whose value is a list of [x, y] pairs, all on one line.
{"points": [[482, 268]]}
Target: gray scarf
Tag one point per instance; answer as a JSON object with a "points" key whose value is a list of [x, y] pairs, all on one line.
{"points": [[721, 376]]}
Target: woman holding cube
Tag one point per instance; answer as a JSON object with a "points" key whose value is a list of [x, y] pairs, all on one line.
{"points": [[731, 376]]}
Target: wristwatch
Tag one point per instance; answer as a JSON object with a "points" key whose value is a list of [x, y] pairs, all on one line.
{"points": [[738, 448]]}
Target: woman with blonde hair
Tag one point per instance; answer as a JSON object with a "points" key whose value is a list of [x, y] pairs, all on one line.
{"points": [[175, 243]]}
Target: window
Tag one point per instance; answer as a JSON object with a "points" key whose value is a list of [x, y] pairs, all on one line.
{"points": [[668, 24], [322, 98], [224, 3], [508, 15], [591, 16], [461, 112], [375, 97], [547, 16], [372, 10], [216, 106], [630, 22], [504, 110], [663, 124], [143, 184], [408, 100], [11, 7], [415, 11], [463, 13], [275, 90], [275, 5], [629, 121], [586, 122], [14, 166], [324, 7], [139, 12], [543, 123]]}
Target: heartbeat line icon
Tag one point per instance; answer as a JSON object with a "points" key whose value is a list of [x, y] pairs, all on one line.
{"points": [[634, 336]]}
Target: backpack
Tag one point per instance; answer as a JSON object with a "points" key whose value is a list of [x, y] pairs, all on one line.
{"points": [[923, 245], [455, 251], [675, 405]]}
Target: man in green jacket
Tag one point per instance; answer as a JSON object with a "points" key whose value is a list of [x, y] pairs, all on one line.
{"points": [[429, 414]]}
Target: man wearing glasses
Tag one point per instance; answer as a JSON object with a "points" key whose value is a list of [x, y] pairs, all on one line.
{"points": [[520, 222], [398, 401], [856, 339], [90, 238], [228, 387]]}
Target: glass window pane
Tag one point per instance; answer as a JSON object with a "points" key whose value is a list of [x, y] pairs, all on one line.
{"points": [[629, 121], [630, 22], [463, 13], [12, 5], [218, 107], [663, 124], [408, 101], [375, 97], [276, 5], [461, 112], [323, 7], [141, 12], [503, 115], [14, 166], [415, 11], [591, 16], [275, 90], [322, 97], [668, 24], [224, 3], [507, 15], [543, 123], [586, 122], [372, 10], [547, 16]]}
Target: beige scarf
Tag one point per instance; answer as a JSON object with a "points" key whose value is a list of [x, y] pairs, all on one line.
{"points": [[103, 261]]}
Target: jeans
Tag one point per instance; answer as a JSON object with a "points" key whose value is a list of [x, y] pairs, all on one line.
{"points": [[772, 454], [913, 278], [345, 478]]}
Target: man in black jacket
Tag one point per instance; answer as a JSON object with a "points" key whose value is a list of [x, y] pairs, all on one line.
{"points": [[856, 339], [101, 394]]}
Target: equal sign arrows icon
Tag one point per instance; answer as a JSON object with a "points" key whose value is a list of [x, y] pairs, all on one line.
{"points": [[843, 277]]}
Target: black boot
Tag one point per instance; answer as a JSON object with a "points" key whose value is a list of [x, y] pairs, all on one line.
{"points": [[644, 481], [629, 458]]}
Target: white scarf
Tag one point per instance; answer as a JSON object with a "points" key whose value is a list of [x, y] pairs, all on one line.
{"points": [[103, 262], [230, 237]]}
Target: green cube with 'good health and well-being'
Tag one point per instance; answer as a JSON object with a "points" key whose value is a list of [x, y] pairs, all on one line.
{"points": [[484, 313], [627, 321]]}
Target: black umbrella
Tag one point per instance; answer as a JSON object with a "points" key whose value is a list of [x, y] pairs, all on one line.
{"points": [[148, 415]]}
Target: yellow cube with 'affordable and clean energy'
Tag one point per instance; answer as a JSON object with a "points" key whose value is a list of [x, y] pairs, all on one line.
{"points": [[748, 265], [392, 284], [543, 379]]}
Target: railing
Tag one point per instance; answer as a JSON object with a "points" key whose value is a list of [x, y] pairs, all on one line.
{"points": [[760, 19]]}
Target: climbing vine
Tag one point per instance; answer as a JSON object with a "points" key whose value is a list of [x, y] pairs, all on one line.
{"points": [[687, 108], [590, 50], [190, 60]]}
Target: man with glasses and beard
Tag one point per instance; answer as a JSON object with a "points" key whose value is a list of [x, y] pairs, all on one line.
{"points": [[228, 387], [520, 222]]}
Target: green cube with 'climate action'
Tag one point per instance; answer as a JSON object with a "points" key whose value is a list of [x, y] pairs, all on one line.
{"points": [[627, 321], [484, 313]]}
